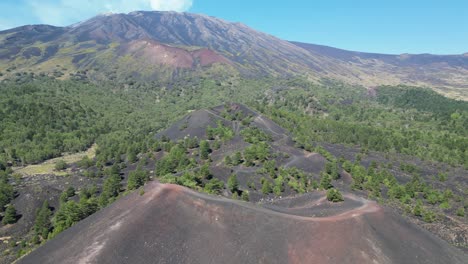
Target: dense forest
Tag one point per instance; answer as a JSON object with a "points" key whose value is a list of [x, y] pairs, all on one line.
{"points": [[319, 114], [41, 118]]}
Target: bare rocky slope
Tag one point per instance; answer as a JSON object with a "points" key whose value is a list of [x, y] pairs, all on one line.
{"points": [[172, 224]]}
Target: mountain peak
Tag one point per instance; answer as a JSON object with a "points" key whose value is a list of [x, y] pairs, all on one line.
{"points": [[250, 52]]}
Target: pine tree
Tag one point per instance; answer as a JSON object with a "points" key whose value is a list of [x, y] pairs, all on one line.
{"points": [[266, 187], [204, 150], [237, 158], [325, 182], [209, 133], [461, 212], [137, 178], [232, 183], [133, 181], [250, 156], [228, 160], [347, 166], [68, 214], [110, 189], [205, 172], [6, 193], [88, 206], [332, 169], [60, 165], [245, 196], [334, 195], [131, 156], [70, 191], [42, 226], [418, 209], [10, 215], [216, 145], [214, 186]]}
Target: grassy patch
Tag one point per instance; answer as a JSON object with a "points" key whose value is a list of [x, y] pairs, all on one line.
{"points": [[48, 167]]}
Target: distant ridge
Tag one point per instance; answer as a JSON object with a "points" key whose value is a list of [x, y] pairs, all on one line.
{"points": [[102, 43]]}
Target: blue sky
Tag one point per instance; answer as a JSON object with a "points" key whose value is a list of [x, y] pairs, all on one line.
{"points": [[396, 26]]}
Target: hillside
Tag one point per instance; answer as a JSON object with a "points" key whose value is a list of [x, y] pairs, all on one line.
{"points": [[168, 46], [245, 172], [249, 146], [171, 224], [444, 73]]}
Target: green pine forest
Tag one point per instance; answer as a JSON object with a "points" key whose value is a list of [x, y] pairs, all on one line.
{"points": [[43, 117]]}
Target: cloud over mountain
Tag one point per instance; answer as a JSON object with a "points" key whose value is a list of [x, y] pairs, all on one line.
{"points": [[66, 12]]}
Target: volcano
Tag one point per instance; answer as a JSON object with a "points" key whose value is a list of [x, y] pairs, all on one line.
{"points": [[166, 46], [172, 224]]}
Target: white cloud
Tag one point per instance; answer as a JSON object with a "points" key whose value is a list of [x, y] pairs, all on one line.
{"points": [[171, 5], [66, 12]]}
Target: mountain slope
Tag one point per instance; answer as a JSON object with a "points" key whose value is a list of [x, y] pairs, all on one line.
{"points": [[292, 220], [167, 45], [446, 73], [99, 42], [172, 224]]}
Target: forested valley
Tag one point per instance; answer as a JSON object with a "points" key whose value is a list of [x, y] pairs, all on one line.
{"points": [[43, 118]]}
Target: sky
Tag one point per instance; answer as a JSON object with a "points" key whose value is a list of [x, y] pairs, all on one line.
{"points": [[381, 26]]}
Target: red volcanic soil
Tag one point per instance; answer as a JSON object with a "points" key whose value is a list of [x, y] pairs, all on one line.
{"points": [[208, 57], [157, 53], [172, 224]]}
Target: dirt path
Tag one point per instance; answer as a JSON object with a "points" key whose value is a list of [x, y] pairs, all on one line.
{"points": [[292, 161], [236, 127], [367, 206], [213, 113], [260, 118], [295, 158]]}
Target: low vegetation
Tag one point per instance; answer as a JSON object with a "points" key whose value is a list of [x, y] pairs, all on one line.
{"points": [[334, 195]]}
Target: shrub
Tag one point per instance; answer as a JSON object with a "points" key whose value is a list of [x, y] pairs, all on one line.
{"points": [[245, 196], [214, 186], [445, 205], [60, 165], [325, 182], [232, 183], [418, 209], [266, 187], [85, 162], [461, 211], [429, 216], [334, 195], [10, 215], [228, 161], [442, 176]]}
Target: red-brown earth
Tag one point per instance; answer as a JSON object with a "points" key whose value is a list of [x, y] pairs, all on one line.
{"points": [[172, 224], [156, 53]]}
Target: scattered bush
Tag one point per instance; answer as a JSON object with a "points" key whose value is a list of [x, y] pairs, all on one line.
{"points": [[233, 184], [214, 186], [429, 216], [334, 195], [461, 212], [60, 165]]}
